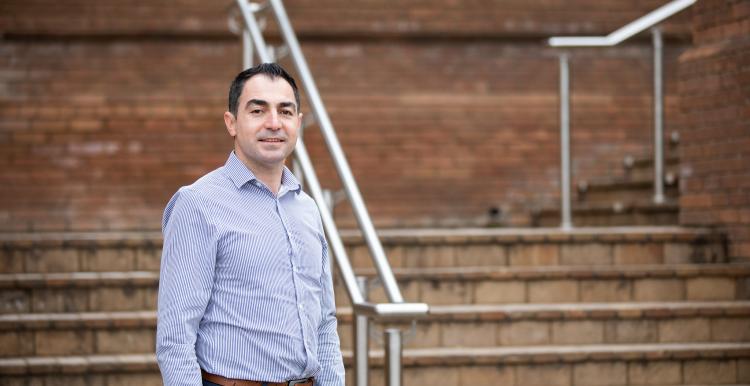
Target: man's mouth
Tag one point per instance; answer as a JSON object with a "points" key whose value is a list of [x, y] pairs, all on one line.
{"points": [[271, 140]]}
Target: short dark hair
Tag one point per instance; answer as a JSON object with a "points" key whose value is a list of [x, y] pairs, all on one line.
{"points": [[272, 70]]}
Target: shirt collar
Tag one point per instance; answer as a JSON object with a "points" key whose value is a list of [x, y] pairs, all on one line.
{"points": [[241, 174]]}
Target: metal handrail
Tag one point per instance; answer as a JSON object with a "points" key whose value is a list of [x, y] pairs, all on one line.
{"points": [[627, 31], [396, 307], [631, 29]]}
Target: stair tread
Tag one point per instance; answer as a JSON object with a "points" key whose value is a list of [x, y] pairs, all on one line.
{"points": [[567, 311], [150, 278], [414, 357], [570, 271], [581, 311], [608, 208], [394, 235]]}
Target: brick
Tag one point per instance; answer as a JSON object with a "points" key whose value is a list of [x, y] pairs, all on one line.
{"points": [[437, 256], [730, 330], [436, 292], [678, 330], [69, 300], [710, 371], [76, 342], [14, 301], [16, 343], [52, 260], [743, 370], [485, 255], [468, 334], [124, 341], [677, 253], [533, 254], [544, 375], [426, 335], [485, 375], [148, 259], [118, 299], [578, 332], [109, 259], [650, 253], [134, 379], [522, 333], [631, 331], [586, 254], [431, 376], [600, 373], [654, 373], [605, 291], [11, 261], [704, 288], [553, 291], [658, 290], [494, 292], [396, 256]]}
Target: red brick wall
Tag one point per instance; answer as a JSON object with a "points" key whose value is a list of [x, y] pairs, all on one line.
{"points": [[101, 122], [714, 86]]}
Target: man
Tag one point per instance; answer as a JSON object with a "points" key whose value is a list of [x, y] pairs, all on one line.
{"points": [[245, 291]]}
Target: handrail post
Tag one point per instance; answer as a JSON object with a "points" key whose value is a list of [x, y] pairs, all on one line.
{"points": [[361, 341], [566, 221], [394, 376], [658, 116]]}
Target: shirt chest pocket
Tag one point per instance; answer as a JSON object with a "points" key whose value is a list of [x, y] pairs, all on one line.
{"points": [[308, 258], [247, 255]]}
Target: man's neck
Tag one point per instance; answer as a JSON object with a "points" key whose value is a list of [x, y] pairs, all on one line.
{"points": [[269, 175]]}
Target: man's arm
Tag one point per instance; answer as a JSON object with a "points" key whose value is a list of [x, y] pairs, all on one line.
{"points": [[329, 349], [185, 282]]}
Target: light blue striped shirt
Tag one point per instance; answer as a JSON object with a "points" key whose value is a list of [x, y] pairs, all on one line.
{"points": [[245, 287]]}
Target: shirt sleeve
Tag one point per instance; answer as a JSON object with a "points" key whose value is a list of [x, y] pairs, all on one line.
{"points": [[185, 282], [329, 349]]}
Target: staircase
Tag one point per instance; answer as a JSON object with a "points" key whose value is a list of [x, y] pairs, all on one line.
{"points": [[624, 197], [617, 306]]}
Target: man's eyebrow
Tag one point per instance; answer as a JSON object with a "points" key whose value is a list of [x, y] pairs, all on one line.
{"points": [[288, 104], [259, 102]]}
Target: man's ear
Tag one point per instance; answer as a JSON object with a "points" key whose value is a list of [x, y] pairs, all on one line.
{"points": [[230, 121]]}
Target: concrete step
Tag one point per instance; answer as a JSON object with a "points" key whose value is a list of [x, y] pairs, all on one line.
{"points": [[447, 326], [566, 284], [408, 248], [654, 364], [614, 213], [135, 291], [78, 291]]}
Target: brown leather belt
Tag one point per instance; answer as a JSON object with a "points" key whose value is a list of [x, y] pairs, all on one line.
{"points": [[219, 380]]}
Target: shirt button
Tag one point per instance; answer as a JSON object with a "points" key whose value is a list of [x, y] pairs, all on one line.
{"points": [[301, 307]]}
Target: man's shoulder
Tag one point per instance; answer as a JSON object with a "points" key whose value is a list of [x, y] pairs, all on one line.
{"points": [[200, 193]]}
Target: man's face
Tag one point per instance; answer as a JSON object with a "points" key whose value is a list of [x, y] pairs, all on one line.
{"points": [[265, 128]]}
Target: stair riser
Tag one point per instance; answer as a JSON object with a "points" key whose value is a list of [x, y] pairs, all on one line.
{"points": [[458, 291], [122, 298], [611, 219], [407, 254], [432, 291], [610, 196], [729, 371], [569, 332], [428, 333]]}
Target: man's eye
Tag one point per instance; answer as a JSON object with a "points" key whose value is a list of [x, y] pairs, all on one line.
{"points": [[256, 111], [286, 112]]}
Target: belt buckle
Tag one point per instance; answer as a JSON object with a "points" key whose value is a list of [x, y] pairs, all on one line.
{"points": [[297, 381]]}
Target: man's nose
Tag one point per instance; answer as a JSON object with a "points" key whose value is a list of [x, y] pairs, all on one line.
{"points": [[273, 121]]}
